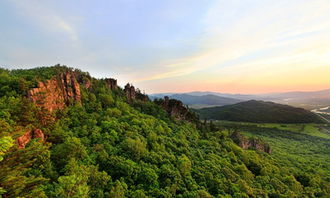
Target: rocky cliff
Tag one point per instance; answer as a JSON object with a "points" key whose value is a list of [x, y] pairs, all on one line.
{"points": [[129, 92], [250, 143], [111, 83], [31, 134], [57, 92], [134, 94], [176, 109]]}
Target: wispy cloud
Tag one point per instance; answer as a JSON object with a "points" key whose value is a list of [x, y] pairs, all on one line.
{"points": [[153, 43], [46, 17], [236, 30]]}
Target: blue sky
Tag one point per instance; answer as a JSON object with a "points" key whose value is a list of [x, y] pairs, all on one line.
{"points": [[248, 46]]}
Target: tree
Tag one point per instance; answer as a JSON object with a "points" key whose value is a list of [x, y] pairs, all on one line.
{"points": [[135, 147], [184, 165], [6, 143], [118, 190], [23, 179], [74, 182]]}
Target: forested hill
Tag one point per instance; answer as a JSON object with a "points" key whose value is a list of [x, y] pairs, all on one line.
{"points": [[64, 133], [259, 111]]}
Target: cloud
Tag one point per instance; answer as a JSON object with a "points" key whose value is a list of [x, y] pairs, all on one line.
{"points": [[46, 16], [270, 32], [230, 41]]}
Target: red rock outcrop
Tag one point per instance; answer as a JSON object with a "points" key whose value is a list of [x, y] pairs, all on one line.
{"points": [[111, 83], [57, 92], [31, 134], [248, 143]]}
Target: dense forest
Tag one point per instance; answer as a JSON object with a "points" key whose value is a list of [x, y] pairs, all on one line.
{"points": [[302, 146], [106, 141], [259, 111]]}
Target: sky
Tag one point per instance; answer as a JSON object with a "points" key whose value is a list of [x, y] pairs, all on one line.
{"points": [[236, 46]]}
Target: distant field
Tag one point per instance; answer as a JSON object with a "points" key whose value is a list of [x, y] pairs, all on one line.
{"points": [[317, 130], [305, 146]]}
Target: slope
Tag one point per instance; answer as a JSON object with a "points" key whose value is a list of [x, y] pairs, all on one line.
{"points": [[112, 142], [259, 111]]}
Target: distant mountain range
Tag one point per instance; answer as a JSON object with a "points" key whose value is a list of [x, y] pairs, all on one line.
{"points": [[199, 99], [204, 100], [259, 112]]}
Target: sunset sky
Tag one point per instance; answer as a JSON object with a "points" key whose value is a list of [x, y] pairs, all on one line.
{"points": [[236, 46]]}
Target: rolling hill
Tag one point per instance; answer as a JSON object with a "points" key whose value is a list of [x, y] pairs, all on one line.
{"points": [[207, 100], [307, 100], [201, 101], [260, 112]]}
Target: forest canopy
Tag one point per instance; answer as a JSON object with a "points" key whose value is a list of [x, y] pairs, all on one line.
{"points": [[107, 146]]}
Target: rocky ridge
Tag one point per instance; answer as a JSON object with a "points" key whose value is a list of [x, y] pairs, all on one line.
{"points": [[250, 143], [57, 92]]}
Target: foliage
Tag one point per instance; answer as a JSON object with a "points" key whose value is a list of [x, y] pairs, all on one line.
{"points": [[303, 148], [109, 148], [260, 112]]}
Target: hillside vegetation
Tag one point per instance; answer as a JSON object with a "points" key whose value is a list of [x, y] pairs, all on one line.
{"points": [[260, 112], [113, 142], [303, 146]]}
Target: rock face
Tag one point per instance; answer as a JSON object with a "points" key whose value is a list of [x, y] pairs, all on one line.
{"points": [[134, 94], [57, 92], [111, 83], [175, 108], [130, 92], [250, 143], [31, 134]]}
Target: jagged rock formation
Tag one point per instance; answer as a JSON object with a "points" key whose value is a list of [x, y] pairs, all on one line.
{"points": [[57, 92], [176, 109], [130, 92], [31, 134], [250, 143], [111, 83]]}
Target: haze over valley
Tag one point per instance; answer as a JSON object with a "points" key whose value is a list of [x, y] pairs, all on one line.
{"points": [[197, 99]]}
